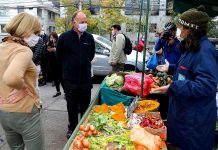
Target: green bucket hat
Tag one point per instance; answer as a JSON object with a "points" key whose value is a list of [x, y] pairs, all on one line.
{"points": [[195, 18]]}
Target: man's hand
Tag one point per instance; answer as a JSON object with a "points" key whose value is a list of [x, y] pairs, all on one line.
{"points": [[161, 90], [17, 95]]}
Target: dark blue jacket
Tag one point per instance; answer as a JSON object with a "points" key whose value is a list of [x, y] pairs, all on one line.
{"points": [[192, 99], [75, 54], [171, 53]]}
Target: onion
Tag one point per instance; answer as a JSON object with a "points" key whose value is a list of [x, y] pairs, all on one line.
{"points": [[78, 144], [89, 133], [81, 127], [85, 143], [92, 128]]}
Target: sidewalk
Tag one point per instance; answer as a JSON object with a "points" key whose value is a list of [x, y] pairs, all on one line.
{"points": [[54, 119]]}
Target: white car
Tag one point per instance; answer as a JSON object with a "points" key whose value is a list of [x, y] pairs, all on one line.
{"points": [[100, 63]]}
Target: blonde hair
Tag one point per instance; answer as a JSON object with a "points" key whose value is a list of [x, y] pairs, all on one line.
{"points": [[23, 24]]}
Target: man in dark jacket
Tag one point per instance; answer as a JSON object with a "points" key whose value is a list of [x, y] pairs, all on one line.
{"points": [[75, 51]]}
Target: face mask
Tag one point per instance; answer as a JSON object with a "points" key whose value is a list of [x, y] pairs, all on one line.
{"points": [[113, 33], [82, 27], [32, 40], [178, 32], [42, 32]]}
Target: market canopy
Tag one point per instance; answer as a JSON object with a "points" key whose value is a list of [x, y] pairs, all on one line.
{"points": [[183, 5]]}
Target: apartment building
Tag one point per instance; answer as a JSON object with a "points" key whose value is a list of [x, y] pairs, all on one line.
{"points": [[45, 10]]}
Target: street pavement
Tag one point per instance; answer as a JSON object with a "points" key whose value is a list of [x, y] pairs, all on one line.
{"points": [[54, 119]]}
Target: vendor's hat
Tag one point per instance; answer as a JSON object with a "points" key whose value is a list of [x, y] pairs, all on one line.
{"points": [[195, 18]]}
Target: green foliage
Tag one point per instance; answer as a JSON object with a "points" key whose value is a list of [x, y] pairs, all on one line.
{"points": [[99, 24], [212, 29]]}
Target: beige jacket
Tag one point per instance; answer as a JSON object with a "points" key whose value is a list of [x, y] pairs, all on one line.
{"points": [[17, 71], [117, 54]]}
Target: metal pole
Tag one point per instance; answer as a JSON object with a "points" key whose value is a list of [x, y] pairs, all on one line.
{"points": [[141, 5], [145, 45]]}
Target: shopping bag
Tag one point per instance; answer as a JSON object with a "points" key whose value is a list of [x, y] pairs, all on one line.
{"points": [[152, 62]]}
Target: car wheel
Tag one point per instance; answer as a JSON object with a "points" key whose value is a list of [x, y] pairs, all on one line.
{"points": [[130, 68]]}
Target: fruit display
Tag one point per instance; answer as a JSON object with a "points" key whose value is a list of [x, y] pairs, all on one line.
{"points": [[146, 105]]}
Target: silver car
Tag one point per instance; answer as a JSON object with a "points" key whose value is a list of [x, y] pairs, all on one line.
{"points": [[100, 63]]}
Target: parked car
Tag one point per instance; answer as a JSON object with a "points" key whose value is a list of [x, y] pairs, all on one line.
{"points": [[100, 64]]}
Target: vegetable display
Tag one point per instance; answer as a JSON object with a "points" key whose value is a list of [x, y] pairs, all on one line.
{"points": [[114, 81]]}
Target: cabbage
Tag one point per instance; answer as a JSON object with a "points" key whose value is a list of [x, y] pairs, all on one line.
{"points": [[119, 80], [114, 80]]}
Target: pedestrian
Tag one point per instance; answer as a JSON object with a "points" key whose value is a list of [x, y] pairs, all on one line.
{"points": [[53, 62], [167, 44], [44, 59], [117, 57], [19, 100], [75, 51], [192, 95]]}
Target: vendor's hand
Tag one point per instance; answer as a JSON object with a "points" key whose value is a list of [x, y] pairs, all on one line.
{"points": [[163, 68], [17, 95], [161, 90]]}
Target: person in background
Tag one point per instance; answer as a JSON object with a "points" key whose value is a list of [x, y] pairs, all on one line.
{"points": [[117, 57], [19, 100], [75, 51], [53, 62], [44, 58], [192, 95], [168, 44]]}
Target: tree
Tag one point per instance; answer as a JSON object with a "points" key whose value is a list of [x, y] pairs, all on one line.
{"points": [[99, 24], [110, 14], [65, 23]]}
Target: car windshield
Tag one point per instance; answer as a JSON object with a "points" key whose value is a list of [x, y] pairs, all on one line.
{"points": [[104, 40]]}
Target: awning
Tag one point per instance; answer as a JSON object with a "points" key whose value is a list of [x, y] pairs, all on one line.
{"points": [[182, 5]]}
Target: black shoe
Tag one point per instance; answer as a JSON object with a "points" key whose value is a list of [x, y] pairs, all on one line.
{"points": [[57, 94], [69, 133]]}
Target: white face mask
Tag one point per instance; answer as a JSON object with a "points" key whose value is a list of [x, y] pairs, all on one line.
{"points": [[178, 32], [113, 33], [82, 27], [32, 40]]}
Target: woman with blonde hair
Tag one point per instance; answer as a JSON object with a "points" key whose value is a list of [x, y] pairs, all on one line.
{"points": [[19, 101]]}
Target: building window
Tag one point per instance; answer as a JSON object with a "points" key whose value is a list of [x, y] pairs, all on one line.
{"points": [[39, 12], [50, 29], [169, 7], [20, 9], [4, 12], [49, 15], [2, 28], [155, 7], [153, 27]]}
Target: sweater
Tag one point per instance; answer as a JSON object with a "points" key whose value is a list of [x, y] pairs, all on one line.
{"points": [[17, 71], [75, 54]]}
